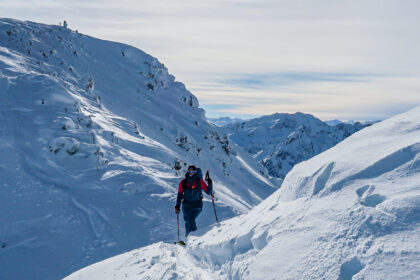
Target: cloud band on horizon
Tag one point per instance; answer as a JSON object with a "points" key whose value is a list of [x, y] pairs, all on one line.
{"points": [[354, 59]]}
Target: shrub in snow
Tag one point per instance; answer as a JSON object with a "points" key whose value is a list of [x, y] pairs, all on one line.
{"points": [[90, 85], [70, 145], [67, 123], [150, 86], [136, 129], [182, 142], [131, 187], [76, 107], [177, 165], [98, 100], [156, 74]]}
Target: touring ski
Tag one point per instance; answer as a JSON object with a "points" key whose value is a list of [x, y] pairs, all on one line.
{"points": [[182, 243]]}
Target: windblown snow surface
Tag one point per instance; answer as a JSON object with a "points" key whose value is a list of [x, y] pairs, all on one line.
{"points": [[94, 138], [352, 212]]}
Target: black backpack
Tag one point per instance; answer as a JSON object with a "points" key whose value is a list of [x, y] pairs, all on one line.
{"points": [[193, 193]]}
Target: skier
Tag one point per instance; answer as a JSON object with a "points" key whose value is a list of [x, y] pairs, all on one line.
{"points": [[189, 193]]}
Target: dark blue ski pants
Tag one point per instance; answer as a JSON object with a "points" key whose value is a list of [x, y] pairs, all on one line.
{"points": [[191, 212]]}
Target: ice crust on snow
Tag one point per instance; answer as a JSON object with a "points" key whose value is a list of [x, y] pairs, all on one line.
{"points": [[351, 212], [95, 136]]}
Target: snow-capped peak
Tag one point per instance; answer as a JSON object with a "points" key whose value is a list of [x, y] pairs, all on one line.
{"points": [[280, 141]]}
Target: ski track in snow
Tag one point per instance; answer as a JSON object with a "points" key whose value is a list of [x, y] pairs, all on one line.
{"points": [[22, 243], [95, 217], [169, 261]]}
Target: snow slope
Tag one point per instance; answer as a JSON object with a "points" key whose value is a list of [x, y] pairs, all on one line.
{"points": [[280, 141], [95, 136], [352, 212]]}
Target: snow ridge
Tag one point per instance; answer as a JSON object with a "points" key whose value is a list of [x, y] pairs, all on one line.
{"points": [[95, 136], [351, 212]]}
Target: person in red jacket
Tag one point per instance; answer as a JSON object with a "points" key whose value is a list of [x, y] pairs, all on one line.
{"points": [[191, 197]]}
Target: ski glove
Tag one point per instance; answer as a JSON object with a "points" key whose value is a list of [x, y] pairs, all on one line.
{"points": [[177, 208]]}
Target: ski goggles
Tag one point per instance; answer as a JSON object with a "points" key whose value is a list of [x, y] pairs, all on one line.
{"points": [[192, 172]]}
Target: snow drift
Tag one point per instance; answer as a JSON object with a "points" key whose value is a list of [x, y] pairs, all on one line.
{"points": [[352, 212], [95, 136]]}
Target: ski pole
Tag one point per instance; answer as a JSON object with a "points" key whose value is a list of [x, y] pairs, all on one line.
{"points": [[177, 220], [214, 208], [212, 196]]}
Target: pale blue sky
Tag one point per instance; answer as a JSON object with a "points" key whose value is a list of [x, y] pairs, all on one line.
{"points": [[334, 59]]}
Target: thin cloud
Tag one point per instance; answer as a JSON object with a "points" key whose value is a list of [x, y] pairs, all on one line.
{"points": [[270, 80]]}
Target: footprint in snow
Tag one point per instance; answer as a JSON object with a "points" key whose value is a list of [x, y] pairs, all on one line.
{"points": [[350, 268]]}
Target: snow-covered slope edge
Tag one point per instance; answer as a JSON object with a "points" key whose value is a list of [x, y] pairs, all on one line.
{"points": [[352, 212], [94, 138]]}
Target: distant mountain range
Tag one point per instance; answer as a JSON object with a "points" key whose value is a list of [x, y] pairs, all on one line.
{"points": [[280, 141], [335, 122], [223, 121]]}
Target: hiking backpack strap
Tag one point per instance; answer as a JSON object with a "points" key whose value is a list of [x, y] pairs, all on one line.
{"points": [[192, 193], [197, 183]]}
